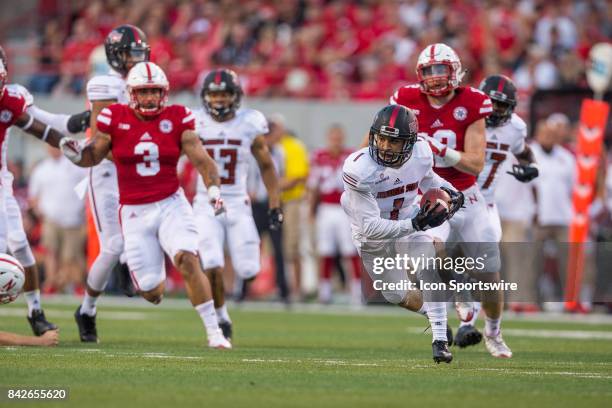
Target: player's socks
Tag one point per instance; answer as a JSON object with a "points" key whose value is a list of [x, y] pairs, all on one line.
{"points": [[492, 326], [356, 291], [325, 291], [33, 299], [222, 314], [209, 317], [436, 313], [423, 310], [476, 306], [88, 307]]}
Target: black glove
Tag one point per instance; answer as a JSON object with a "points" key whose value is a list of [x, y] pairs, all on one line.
{"points": [[275, 218], [79, 122], [429, 217], [524, 172], [457, 200]]}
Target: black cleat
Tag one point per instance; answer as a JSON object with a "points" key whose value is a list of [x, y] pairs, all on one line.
{"points": [[440, 352], [467, 336], [87, 327], [226, 328], [449, 335], [124, 280], [39, 323]]}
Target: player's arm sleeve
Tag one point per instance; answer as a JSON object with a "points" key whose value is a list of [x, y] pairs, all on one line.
{"points": [[519, 145], [57, 121], [364, 212]]}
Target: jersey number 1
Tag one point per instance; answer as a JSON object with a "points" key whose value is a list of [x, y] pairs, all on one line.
{"points": [[150, 156]]}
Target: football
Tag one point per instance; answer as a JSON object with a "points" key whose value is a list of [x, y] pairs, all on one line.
{"points": [[436, 195], [12, 278]]}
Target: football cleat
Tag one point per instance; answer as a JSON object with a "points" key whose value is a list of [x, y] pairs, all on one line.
{"points": [[467, 336], [465, 311], [87, 326], [39, 323], [218, 341], [226, 329], [441, 352], [497, 346], [124, 280]]}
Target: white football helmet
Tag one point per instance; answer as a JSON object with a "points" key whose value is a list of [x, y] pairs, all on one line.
{"points": [[147, 75], [432, 65], [12, 278]]}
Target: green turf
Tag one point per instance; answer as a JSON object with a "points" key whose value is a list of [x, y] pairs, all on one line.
{"points": [[295, 359]]}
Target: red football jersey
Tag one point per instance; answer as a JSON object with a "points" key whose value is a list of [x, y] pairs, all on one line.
{"points": [[326, 175], [447, 123], [12, 105], [146, 151]]}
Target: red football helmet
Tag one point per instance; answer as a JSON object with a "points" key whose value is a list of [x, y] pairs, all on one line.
{"points": [[439, 70], [147, 75]]}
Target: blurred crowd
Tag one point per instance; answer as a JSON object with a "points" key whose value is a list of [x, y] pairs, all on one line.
{"points": [[335, 49]]}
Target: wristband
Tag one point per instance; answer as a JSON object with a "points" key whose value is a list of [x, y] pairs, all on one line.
{"points": [[452, 157], [214, 192]]}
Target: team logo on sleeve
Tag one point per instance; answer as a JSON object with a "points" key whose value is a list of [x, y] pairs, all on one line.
{"points": [[6, 116], [460, 113], [165, 126]]}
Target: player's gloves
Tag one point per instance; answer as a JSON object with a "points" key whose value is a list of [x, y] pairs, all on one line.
{"points": [[524, 172], [437, 147], [71, 148], [429, 217], [214, 195], [275, 218], [79, 122], [457, 200]]}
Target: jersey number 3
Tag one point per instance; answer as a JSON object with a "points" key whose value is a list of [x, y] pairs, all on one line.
{"points": [[150, 156]]}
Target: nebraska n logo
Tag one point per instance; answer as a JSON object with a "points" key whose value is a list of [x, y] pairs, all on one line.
{"points": [[9, 285]]}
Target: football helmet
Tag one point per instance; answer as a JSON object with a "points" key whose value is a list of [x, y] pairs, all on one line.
{"points": [[147, 75], [123, 42], [502, 92], [3, 70], [439, 62], [397, 122], [12, 278], [221, 80]]}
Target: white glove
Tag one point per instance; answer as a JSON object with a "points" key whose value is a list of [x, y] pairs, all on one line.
{"points": [[214, 195], [437, 147], [71, 148]]}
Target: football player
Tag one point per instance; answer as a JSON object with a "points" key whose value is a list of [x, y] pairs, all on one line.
{"points": [[381, 184], [231, 135], [17, 108], [333, 231], [146, 139], [505, 133], [452, 119], [125, 46]]}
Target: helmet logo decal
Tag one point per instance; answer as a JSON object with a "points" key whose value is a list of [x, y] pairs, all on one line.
{"points": [[115, 36]]}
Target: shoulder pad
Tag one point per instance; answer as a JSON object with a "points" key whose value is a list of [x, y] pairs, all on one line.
{"points": [[21, 90], [256, 120], [105, 87], [359, 170]]}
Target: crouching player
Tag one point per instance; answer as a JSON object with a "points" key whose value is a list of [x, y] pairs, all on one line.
{"points": [[381, 186], [146, 139]]}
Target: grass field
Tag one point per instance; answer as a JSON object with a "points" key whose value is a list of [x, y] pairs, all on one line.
{"points": [[155, 357]]}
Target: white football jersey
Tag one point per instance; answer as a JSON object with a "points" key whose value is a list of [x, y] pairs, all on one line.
{"points": [[376, 196], [229, 144], [501, 141], [107, 87]]}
